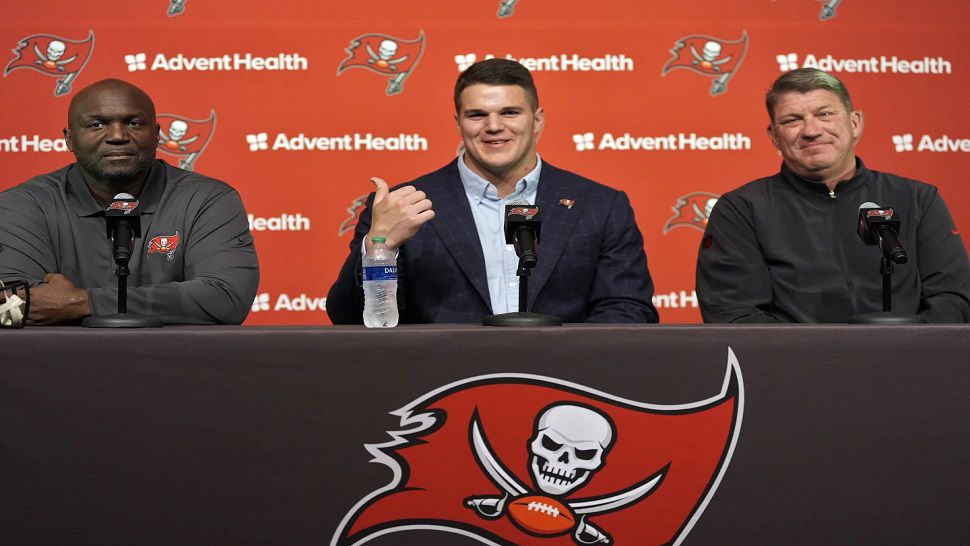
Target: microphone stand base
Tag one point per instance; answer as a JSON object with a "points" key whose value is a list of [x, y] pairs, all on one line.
{"points": [[887, 318], [522, 319], [121, 320]]}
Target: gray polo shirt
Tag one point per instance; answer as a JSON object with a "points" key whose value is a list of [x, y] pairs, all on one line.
{"points": [[194, 264]]}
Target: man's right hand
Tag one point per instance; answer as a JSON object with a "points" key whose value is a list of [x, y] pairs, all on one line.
{"points": [[397, 215], [58, 301]]}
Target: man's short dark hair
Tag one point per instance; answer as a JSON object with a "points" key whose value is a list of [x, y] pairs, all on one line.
{"points": [[803, 80], [497, 72]]}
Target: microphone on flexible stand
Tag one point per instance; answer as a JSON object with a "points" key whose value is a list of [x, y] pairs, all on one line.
{"points": [[878, 227], [123, 226], [522, 229]]}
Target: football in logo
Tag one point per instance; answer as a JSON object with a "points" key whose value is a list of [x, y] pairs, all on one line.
{"points": [[385, 55], [709, 56], [53, 56], [539, 461], [185, 138]]}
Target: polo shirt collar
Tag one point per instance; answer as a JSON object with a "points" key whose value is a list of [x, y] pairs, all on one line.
{"points": [[83, 203]]}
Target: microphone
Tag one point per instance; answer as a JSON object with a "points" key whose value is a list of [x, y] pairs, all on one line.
{"points": [[878, 227], [522, 227], [123, 225]]}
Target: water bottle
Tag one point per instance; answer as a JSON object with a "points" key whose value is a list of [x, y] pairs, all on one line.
{"points": [[380, 286]]}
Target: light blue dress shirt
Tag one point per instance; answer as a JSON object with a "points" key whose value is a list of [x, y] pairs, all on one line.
{"points": [[488, 210]]}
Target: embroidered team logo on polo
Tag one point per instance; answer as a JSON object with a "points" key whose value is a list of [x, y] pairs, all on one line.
{"points": [[692, 210], [185, 138], [53, 56], [385, 55], [712, 57], [164, 244]]}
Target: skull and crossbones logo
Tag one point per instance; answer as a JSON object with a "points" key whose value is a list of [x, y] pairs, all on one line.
{"points": [[384, 57], [568, 447], [52, 59], [708, 57], [174, 138]]}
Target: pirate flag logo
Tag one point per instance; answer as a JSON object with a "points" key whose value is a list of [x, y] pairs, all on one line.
{"points": [[506, 8], [54, 56], [185, 138], [176, 7], [692, 210], [164, 244], [712, 57], [385, 55], [517, 459], [354, 209], [828, 9]]}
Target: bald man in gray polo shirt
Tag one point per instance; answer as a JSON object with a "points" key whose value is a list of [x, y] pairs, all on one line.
{"points": [[195, 262]]}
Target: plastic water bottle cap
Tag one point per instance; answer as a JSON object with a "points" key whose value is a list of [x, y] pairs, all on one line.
{"points": [[378, 240]]}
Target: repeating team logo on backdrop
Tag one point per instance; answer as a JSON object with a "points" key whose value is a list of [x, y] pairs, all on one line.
{"points": [[385, 55], [539, 461], [176, 7], [185, 138], [53, 56], [506, 8], [712, 57], [828, 10], [355, 208], [692, 210]]}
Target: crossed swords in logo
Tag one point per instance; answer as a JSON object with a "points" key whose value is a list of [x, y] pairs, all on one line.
{"points": [[491, 507]]}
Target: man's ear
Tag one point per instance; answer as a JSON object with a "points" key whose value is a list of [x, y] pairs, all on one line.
{"points": [[69, 139], [771, 134]]}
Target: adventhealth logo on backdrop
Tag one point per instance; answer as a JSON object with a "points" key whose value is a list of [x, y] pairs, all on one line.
{"points": [[349, 142], [876, 65], [284, 222], [563, 62], [681, 141], [680, 299], [285, 302], [32, 143], [243, 62], [906, 143]]}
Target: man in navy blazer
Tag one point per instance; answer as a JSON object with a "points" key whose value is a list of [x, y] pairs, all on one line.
{"points": [[453, 263]]}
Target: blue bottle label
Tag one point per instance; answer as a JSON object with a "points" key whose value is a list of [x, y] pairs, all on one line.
{"points": [[380, 273]]}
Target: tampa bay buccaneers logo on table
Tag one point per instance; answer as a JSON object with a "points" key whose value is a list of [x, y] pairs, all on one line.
{"points": [[53, 56], [709, 56], [518, 459], [164, 244], [185, 138], [692, 210], [385, 55]]}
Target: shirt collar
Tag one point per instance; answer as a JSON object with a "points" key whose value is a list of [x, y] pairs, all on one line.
{"points": [[812, 187], [477, 188], [80, 199]]}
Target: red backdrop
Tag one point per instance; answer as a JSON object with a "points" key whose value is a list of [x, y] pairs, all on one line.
{"points": [[617, 109]]}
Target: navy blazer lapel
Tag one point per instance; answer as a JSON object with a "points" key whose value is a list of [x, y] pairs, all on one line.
{"points": [[455, 226], [556, 189]]}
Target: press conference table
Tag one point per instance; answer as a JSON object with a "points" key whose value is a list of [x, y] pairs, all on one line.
{"points": [[255, 435]]}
